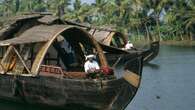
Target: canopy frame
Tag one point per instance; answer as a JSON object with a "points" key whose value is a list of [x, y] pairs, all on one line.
{"points": [[10, 48]]}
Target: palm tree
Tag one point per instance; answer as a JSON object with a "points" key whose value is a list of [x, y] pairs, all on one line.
{"points": [[77, 4], [58, 7], [157, 6], [17, 5], [7, 6], [80, 13], [182, 15]]}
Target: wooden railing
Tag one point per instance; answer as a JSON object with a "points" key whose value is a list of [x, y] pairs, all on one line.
{"points": [[55, 70], [51, 69]]}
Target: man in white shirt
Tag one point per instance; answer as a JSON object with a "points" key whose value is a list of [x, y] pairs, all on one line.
{"points": [[91, 65], [129, 46]]}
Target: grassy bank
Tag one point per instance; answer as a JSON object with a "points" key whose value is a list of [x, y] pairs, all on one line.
{"points": [[143, 43], [178, 43]]}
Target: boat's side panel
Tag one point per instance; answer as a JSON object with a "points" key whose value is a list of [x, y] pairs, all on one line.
{"points": [[150, 54], [55, 91], [124, 95], [64, 92], [129, 84], [114, 54], [6, 86]]}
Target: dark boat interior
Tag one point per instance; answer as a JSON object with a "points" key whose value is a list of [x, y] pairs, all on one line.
{"points": [[118, 40], [69, 50], [67, 54]]}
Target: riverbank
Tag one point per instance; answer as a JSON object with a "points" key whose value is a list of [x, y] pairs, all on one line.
{"points": [[178, 43], [185, 43]]}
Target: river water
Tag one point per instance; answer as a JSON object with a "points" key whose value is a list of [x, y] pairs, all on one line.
{"points": [[168, 83]]}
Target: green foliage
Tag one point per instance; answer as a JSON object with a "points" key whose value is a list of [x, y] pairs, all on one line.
{"points": [[128, 16]]}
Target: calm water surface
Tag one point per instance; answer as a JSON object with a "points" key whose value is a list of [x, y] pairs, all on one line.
{"points": [[167, 83]]}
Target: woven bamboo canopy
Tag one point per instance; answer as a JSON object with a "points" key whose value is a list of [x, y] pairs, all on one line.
{"points": [[107, 36], [45, 35]]}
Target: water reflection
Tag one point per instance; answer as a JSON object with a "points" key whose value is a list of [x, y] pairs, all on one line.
{"points": [[8, 105]]}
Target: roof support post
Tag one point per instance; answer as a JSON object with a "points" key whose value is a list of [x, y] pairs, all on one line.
{"points": [[3, 64]]}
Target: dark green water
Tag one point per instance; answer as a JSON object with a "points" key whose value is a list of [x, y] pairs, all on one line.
{"points": [[167, 83]]}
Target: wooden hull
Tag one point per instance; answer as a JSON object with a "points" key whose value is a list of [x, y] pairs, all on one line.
{"points": [[113, 94], [151, 53], [64, 93], [120, 59], [119, 55]]}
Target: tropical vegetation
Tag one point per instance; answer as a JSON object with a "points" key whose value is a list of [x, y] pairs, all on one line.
{"points": [[140, 19]]}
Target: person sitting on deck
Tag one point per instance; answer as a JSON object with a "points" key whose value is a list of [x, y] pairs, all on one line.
{"points": [[129, 46], [91, 64]]}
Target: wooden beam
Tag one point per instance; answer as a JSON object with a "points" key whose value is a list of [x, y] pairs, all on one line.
{"points": [[5, 56], [2, 69], [132, 78], [21, 59]]}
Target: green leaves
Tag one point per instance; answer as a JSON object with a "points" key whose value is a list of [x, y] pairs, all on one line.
{"points": [[128, 16]]}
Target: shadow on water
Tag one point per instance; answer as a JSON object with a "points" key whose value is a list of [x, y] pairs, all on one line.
{"points": [[152, 66], [10, 105]]}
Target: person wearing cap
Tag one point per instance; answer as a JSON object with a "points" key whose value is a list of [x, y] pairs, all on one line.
{"points": [[129, 46], [91, 64]]}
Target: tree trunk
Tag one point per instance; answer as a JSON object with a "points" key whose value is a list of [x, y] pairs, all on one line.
{"points": [[181, 36], [61, 10], [30, 6], [137, 31], [17, 5], [191, 36], [158, 28], [147, 33]]}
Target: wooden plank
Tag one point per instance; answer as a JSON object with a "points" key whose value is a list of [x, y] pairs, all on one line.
{"points": [[132, 78]]}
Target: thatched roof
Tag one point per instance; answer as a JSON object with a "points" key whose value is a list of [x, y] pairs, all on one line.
{"points": [[40, 33]]}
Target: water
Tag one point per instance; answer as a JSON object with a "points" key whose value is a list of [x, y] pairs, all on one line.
{"points": [[167, 83]]}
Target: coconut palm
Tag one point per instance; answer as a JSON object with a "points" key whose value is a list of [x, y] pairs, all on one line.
{"points": [[58, 7]]}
